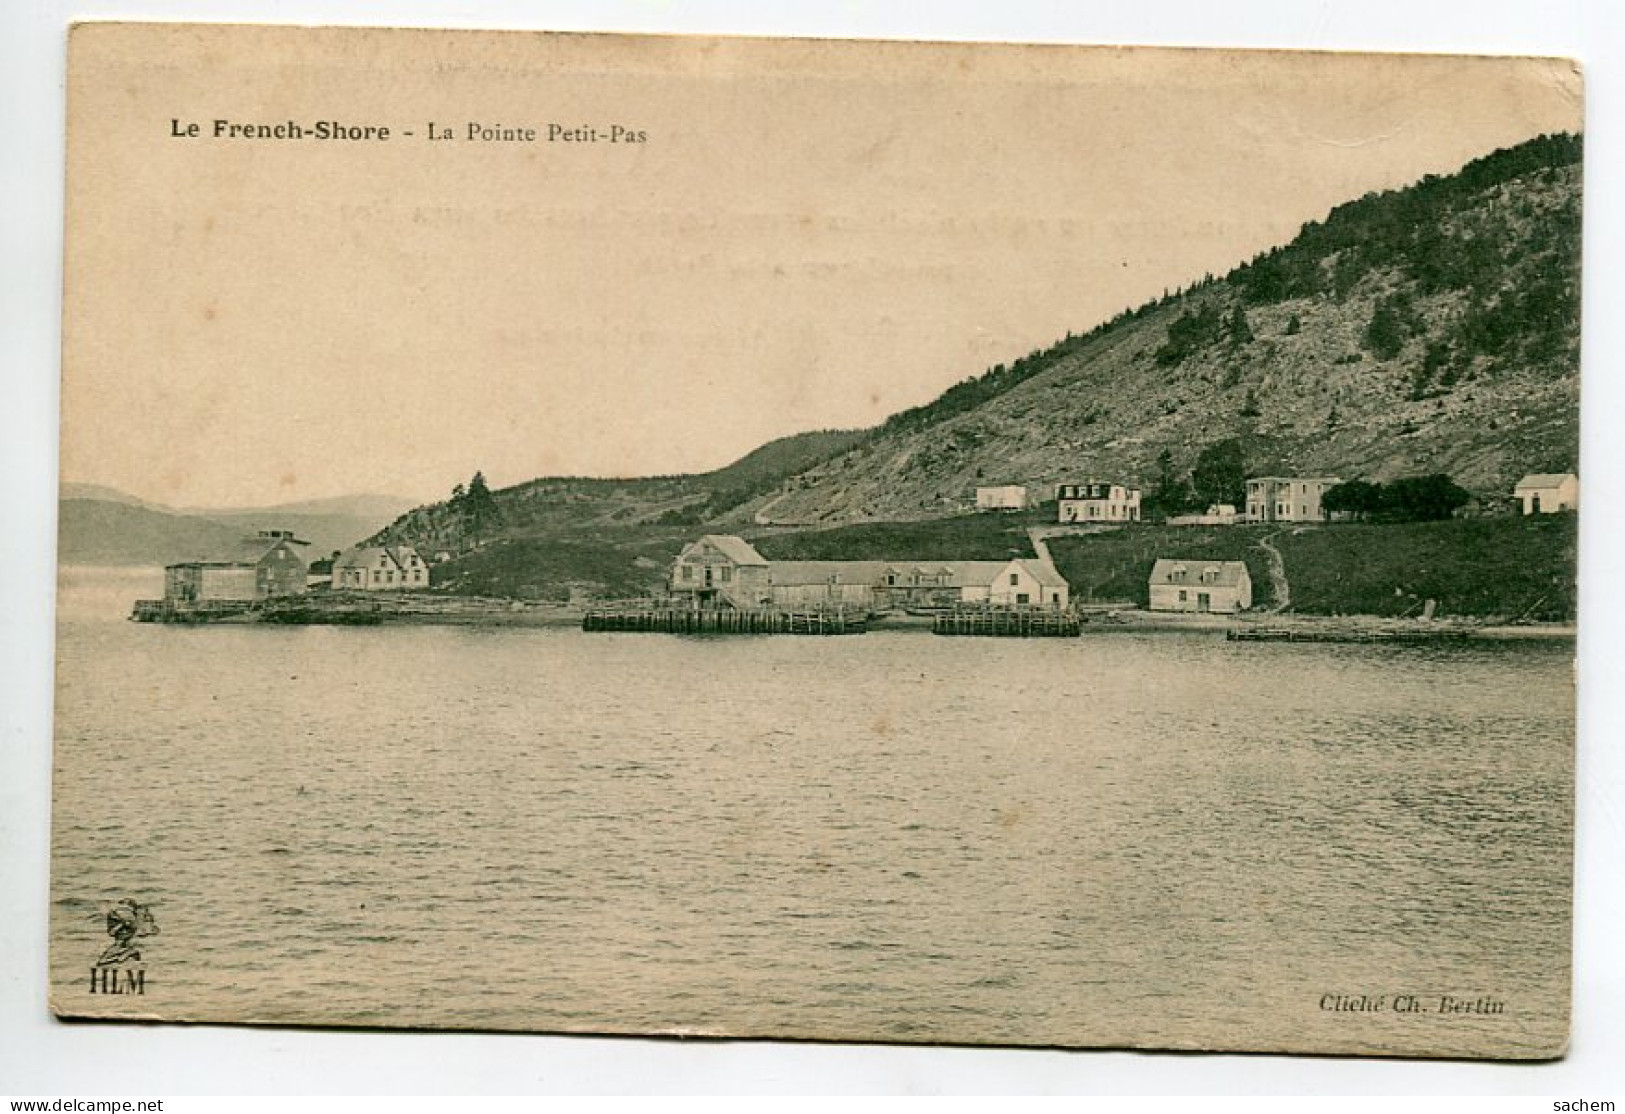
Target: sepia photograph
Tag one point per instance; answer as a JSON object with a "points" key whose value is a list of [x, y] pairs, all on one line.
{"points": [[818, 540]]}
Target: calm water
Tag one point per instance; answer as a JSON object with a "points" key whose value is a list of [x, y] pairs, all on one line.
{"points": [[1119, 840]]}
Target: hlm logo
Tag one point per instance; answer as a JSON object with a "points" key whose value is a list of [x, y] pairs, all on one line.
{"points": [[118, 980], [120, 970]]}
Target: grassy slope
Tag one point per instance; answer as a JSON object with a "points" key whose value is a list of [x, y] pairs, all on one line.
{"points": [[974, 537], [1488, 567], [1114, 567], [1502, 568], [547, 568]]}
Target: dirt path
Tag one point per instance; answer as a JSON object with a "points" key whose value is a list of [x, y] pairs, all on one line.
{"points": [[1038, 534], [1280, 587]]}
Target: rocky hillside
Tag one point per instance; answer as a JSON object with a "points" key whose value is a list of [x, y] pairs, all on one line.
{"points": [[588, 509], [1429, 329]]}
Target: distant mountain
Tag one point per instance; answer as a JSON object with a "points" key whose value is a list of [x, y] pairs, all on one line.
{"points": [[327, 524], [111, 495], [105, 532], [103, 526], [387, 507]]}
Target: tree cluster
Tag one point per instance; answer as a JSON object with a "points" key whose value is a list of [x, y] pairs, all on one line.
{"points": [[1412, 499], [475, 505], [1218, 476]]}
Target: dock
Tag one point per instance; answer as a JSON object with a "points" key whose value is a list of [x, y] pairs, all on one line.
{"points": [[676, 620], [1347, 634], [201, 611], [998, 622]]}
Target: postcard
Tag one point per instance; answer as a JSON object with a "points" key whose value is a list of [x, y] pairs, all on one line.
{"points": [[824, 540]]}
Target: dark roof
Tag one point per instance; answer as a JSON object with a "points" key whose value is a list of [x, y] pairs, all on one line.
{"points": [[1092, 489]]}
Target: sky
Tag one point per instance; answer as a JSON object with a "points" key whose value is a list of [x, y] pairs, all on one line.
{"points": [[810, 235]]}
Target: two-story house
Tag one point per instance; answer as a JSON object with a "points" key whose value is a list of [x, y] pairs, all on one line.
{"points": [[1097, 501]]}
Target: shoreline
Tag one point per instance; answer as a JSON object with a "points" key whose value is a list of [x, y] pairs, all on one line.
{"points": [[405, 610]]}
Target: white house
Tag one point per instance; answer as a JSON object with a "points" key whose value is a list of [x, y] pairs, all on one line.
{"points": [[1006, 497], [1194, 585], [379, 568], [1288, 498], [1020, 582], [1096, 501], [1548, 492]]}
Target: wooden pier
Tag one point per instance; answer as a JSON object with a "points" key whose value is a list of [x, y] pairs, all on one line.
{"points": [[1347, 634], [996, 622], [201, 611], [725, 621]]}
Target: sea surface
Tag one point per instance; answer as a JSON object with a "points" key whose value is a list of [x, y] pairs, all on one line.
{"points": [[1158, 840]]}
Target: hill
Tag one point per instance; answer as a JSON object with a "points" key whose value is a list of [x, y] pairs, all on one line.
{"points": [[1429, 329], [590, 510], [1433, 328]]}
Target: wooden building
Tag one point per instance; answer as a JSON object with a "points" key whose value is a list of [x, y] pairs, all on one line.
{"points": [[265, 565], [1184, 584], [720, 570]]}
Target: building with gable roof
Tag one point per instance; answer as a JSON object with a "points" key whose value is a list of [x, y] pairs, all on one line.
{"points": [[721, 570], [1548, 492], [255, 568], [379, 568], [1187, 584], [1097, 501]]}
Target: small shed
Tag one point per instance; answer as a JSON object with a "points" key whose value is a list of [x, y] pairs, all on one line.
{"points": [[1001, 497], [1548, 492]]}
